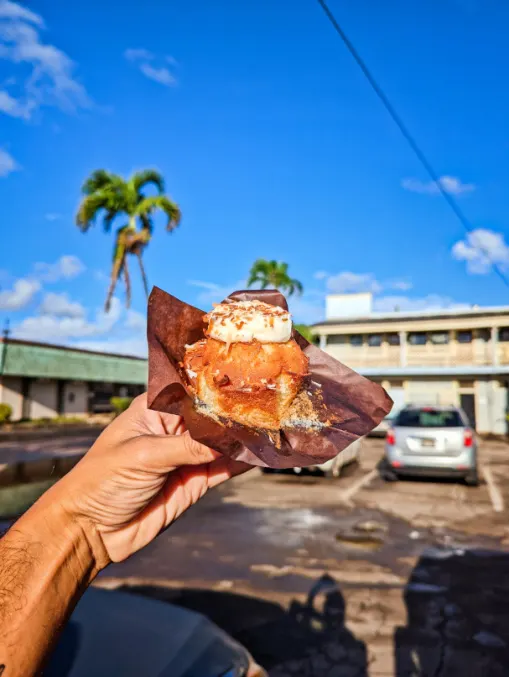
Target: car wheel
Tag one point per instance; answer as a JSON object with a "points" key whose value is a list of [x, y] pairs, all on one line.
{"points": [[389, 476], [472, 479]]}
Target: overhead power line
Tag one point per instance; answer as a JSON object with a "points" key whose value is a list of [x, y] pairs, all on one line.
{"points": [[408, 137]]}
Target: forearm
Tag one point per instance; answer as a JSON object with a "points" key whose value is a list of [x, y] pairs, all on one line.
{"points": [[45, 564]]}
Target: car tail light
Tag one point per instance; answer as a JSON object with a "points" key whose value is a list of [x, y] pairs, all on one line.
{"points": [[390, 438], [468, 438]]}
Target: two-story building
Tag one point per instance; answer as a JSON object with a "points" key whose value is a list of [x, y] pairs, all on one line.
{"points": [[40, 380], [453, 356]]}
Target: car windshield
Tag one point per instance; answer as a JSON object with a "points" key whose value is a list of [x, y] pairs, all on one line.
{"points": [[429, 418]]}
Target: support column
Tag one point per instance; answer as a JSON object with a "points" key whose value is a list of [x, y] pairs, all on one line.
{"points": [[323, 341], [494, 345], [402, 349]]}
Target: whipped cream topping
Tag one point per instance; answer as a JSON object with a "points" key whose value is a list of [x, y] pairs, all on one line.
{"points": [[246, 321]]}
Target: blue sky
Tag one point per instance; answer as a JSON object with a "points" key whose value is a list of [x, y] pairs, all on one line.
{"points": [[270, 140]]}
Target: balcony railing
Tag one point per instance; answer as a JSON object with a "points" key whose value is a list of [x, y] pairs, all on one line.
{"points": [[452, 354]]}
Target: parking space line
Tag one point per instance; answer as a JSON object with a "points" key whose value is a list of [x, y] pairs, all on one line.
{"points": [[497, 500], [364, 481]]}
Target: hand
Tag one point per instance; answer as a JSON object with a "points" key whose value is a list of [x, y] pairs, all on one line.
{"points": [[141, 474]]}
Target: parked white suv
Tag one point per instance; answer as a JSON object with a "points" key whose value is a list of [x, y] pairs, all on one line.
{"points": [[431, 441]]}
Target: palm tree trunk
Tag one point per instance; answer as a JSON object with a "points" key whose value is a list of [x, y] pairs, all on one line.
{"points": [[127, 280], [115, 273], [143, 274]]}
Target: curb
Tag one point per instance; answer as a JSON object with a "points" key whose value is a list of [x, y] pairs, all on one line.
{"points": [[45, 433]]}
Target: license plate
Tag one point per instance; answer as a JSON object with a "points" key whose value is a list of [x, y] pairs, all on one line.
{"points": [[427, 442]]}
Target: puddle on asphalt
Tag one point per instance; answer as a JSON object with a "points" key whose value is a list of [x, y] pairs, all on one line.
{"points": [[360, 541]]}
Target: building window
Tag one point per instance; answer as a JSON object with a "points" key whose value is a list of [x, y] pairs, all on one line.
{"points": [[356, 340], [439, 338], [503, 334], [393, 339], [464, 336], [375, 340], [417, 338], [484, 334], [335, 339]]}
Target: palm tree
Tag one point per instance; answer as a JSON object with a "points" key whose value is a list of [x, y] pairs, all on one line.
{"points": [[107, 195], [273, 274]]}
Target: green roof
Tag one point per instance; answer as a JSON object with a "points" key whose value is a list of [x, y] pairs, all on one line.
{"points": [[42, 360]]}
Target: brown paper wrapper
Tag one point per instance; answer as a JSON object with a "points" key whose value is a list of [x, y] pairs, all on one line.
{"points": [[355, 404]]}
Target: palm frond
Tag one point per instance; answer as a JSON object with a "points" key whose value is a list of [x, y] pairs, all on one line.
{"points": [[146, 176], [297, 285], [259, 269], [98, 180], [273, 274], [150, 204], [89, 208]]}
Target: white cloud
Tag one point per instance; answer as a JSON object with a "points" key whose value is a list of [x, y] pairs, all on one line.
{"points": [[7, 163], [129, 346], [51, 80], [144, 60], [136, 321], [66, 267], [60, 305], [101, 276], [401, 285], [214, 293], [22, 292], [52, 216], [306, 308], [480, 249], [138, 54], [12, 10], [388, 304], [451, 184], [347, 282], [54, 327], [161, 74]]}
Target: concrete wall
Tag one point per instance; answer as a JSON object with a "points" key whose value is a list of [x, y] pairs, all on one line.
{"points": [[11, 393], [43, 399], [431, 392], [75, 398], [491, 406]]}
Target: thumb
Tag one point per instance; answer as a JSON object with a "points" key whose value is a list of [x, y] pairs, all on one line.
{"points": [[164, 453]]}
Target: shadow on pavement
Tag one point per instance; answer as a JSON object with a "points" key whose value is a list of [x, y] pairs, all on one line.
{"points": [[458, 616], [308, 640]]}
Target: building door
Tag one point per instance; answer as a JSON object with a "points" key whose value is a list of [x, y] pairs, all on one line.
{"points": [[467, 403], [60, 396], [25, 397], [397, 394]]}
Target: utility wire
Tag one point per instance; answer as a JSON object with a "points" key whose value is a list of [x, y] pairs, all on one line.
{"points": [[408, 137]]}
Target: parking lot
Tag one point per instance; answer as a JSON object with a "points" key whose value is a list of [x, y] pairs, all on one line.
{"points": [[349, 576]]}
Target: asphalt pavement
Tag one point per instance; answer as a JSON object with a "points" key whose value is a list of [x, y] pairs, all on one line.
{"points": [[340, 577]]}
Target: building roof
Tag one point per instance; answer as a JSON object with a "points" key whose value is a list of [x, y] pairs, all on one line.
{"points": [[70, 348], [473, 311], [45, 360]]}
